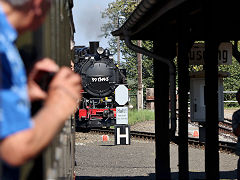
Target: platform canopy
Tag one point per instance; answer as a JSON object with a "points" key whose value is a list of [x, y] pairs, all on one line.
{"points": [[157, 19], [175, 25]]}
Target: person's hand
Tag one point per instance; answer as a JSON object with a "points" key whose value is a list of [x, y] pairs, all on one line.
{"points": [[34, 91], [64, 93]]}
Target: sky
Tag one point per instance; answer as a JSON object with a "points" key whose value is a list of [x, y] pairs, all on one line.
{"points": [[88, 21]]}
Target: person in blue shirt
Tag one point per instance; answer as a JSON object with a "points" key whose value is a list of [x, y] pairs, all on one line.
{"points": [[21, 136]]}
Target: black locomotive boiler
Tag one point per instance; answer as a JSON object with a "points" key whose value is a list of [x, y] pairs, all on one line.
{"points": [[100, 77]]}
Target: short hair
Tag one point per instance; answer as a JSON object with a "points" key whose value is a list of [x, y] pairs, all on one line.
{"points": [[17, 2], [238, 96]]}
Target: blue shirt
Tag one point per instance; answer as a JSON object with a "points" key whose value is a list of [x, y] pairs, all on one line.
{"points": [[14, 101]]}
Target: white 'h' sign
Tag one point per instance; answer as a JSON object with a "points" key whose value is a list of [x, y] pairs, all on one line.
{"points": [[122, 136]]}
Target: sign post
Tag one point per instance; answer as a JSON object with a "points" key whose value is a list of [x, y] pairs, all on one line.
{"points": [[122, 129]]}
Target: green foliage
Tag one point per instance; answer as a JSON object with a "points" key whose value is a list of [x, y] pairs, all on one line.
{"points": [[114, 13], [231, 83], [135, 116], [133, 99], [131, 65]]}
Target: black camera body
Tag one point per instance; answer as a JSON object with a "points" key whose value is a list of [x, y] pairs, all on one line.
{"points": [[43, 79]]}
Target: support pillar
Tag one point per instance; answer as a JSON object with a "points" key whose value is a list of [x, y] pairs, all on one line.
{"points": [[211, 100], [183, 88], [161, 92], [211, 90]]}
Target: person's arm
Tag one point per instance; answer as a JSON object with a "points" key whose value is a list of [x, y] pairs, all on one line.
{"points": [[61, 101]]}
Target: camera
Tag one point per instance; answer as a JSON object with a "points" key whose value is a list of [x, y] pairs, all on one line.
{"points": [[43, 79]]}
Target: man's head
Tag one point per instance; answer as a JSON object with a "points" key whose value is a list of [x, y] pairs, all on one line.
{"points": [[238, 96], [25, 14]]}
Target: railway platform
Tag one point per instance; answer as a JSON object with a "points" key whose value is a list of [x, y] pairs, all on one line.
{"points": [[102, 160]]}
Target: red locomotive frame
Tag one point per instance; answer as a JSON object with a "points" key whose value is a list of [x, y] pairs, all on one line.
{"points": [[95, 113]]}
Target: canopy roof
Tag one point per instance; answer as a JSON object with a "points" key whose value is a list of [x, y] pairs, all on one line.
{"points": [[159, 19]]}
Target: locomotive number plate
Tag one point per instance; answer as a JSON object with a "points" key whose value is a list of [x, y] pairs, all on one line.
{"points": [[100, 79]]}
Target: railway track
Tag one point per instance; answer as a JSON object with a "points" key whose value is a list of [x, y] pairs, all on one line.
{"points": [[225, 129], [228, 147]]}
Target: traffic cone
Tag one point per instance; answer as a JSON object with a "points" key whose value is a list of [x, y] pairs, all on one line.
{"points": [[195, 134], [105, 138]]}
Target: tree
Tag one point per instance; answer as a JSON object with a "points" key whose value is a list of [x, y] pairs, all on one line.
{"points": [[231, 83], [123, 8]]}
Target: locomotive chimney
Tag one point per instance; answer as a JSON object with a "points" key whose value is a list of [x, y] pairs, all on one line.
{"points": [[93, 47]]}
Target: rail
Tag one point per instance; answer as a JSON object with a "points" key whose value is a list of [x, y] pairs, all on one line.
{"points": [[224, 146]]}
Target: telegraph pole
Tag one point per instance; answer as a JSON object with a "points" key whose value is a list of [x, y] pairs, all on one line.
{"points": [[118, 50], [140, 84]]}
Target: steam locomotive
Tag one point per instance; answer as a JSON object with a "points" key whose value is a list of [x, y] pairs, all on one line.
{"points": [[100, 77]]}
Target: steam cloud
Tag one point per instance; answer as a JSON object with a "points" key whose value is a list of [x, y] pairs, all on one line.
{"points": [[89, 21]]}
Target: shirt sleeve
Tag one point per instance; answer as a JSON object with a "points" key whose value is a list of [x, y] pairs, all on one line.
{"points": [[15, 115], [14, 103]]}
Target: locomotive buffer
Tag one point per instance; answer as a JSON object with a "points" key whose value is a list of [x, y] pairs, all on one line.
{"points": [[122, 129]]}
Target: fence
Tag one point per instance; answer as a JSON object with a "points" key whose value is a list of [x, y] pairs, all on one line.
{"points": [[230, 98]]}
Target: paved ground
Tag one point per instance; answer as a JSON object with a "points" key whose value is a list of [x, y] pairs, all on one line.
{"points": [[229, 112], [102, 160]]}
